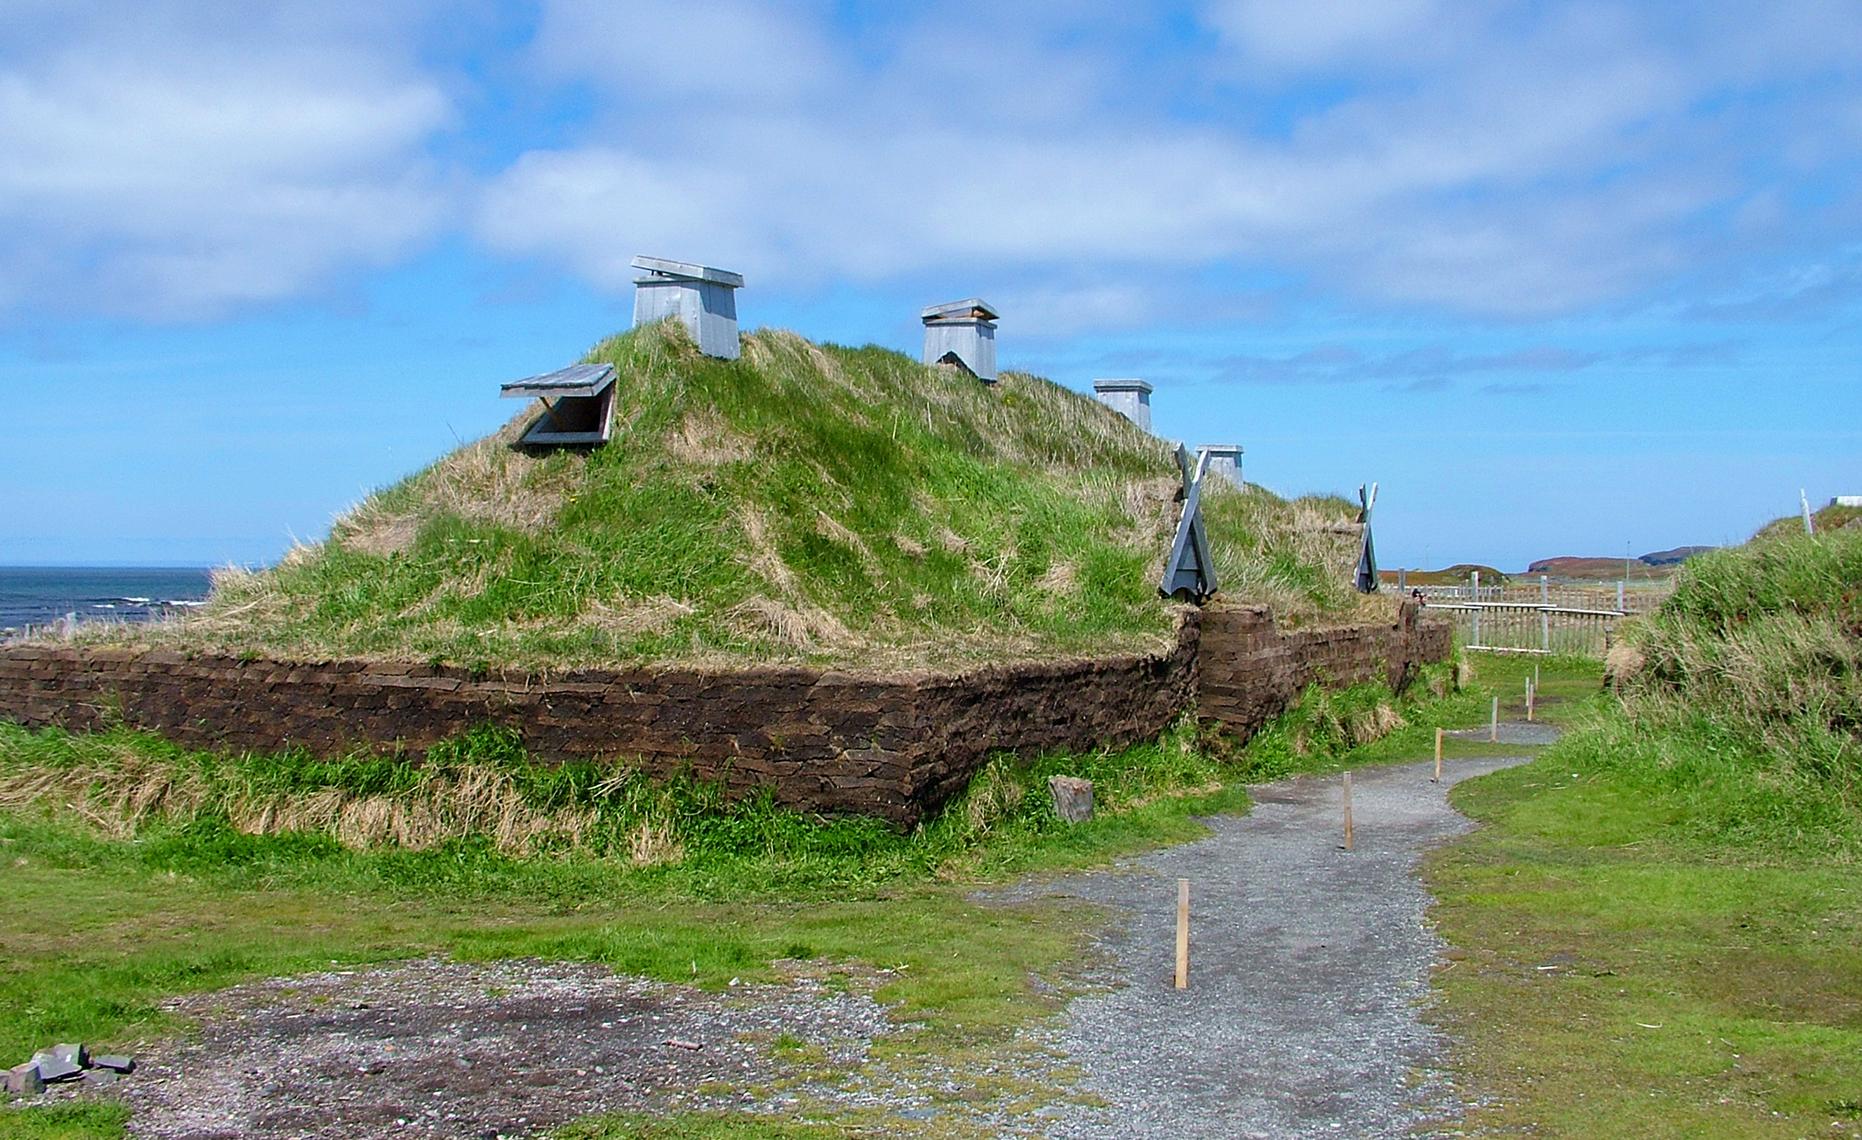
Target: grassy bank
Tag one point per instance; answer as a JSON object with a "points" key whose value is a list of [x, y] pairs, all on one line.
{"points": [[1656, 931], [478, 815], [844, 506]]}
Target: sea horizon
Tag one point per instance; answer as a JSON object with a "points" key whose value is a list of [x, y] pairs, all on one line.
{"points": [[41, 595]]}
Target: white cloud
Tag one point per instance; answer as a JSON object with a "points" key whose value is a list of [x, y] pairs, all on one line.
{"points": [[181, 159], [176, 164], [1490, 159], [596, 207]]}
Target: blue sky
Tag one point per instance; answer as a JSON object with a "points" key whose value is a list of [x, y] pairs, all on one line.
{"points": [[1562, 278]]}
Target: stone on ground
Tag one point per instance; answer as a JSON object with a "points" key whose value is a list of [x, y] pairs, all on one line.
{"points": [[1073, 798], [53, 1068], [24, 1080]]}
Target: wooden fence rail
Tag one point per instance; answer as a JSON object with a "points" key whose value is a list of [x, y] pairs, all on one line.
{"points": [[1523, 627], [1618, 598]]}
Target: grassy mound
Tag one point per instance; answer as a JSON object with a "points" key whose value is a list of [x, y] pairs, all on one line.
{"points": [[807, 502], [1741, 697], [1765, 643]]}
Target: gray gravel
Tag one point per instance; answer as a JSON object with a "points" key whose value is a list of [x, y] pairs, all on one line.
{"points": [[1512, 732], [433, 1048], [1309, 968]]}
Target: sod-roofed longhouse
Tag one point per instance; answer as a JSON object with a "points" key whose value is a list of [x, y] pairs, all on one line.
{"points": [[968, 556]]}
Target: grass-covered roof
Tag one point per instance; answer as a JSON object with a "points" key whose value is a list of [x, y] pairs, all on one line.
{"points": [[808, 502]]}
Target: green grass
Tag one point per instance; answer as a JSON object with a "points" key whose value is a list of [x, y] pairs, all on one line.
{"points": [[64, 1122], [1567, 687], [479, 816], [106, 920], [807, 502], [1359, 725], [1828, 518], [1759, 651], [1658, 929], [1704, 950]]}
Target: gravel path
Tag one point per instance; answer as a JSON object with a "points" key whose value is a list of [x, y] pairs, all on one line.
{"points": [[1309, 966]]}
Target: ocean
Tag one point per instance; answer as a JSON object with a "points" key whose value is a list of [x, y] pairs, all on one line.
{"points": [[39, 595]]}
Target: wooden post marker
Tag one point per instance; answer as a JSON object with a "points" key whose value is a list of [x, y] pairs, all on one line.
{"points": [[1531, 691], [1347, 811], [1183, 934], [1493, 726], [1438, 755]]}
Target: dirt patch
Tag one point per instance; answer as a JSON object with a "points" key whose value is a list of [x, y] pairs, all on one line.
{"points": [[438, 1048]]}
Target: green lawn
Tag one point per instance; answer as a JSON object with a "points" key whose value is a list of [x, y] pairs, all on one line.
{"points": [[1625, 965]]}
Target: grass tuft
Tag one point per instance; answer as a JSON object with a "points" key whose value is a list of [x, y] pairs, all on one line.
{"points": [[1751, 676]]}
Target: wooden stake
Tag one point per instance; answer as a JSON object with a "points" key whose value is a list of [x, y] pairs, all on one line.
{"points": [[1531, 691], [1347, 811], [1183, 934], [1438, 755], [1493, 726]]}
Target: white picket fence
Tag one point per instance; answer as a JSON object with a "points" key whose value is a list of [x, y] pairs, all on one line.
{"points": [[1528, 627], [1540, 617]]}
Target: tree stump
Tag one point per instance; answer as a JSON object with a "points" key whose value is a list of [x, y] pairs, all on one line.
{"points": [[1073, 798]]}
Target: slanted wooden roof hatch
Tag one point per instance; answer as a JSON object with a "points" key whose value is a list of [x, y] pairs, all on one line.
{"points": [[578, 405]]}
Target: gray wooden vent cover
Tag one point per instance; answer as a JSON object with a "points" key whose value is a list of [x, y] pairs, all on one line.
{"points": [[1190, 571], [1224, 461], [1129, 397], [578, 405], [962, 333], [1366, 578], [704, 299]]}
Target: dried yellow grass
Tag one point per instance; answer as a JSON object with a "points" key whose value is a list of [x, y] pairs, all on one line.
{"points": [[485, 481], [761, 553], [704, 440], [827, 527], [122, 796], [1061, 580], [656, 614], [801, 627], [653, 844]]}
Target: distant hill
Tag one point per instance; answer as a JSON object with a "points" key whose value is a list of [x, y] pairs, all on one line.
{"points": [[1599, 569], [1456, 575], [1673, 557]]}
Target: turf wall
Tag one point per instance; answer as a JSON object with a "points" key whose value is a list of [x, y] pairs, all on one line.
{"points": [[894, 745]]}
